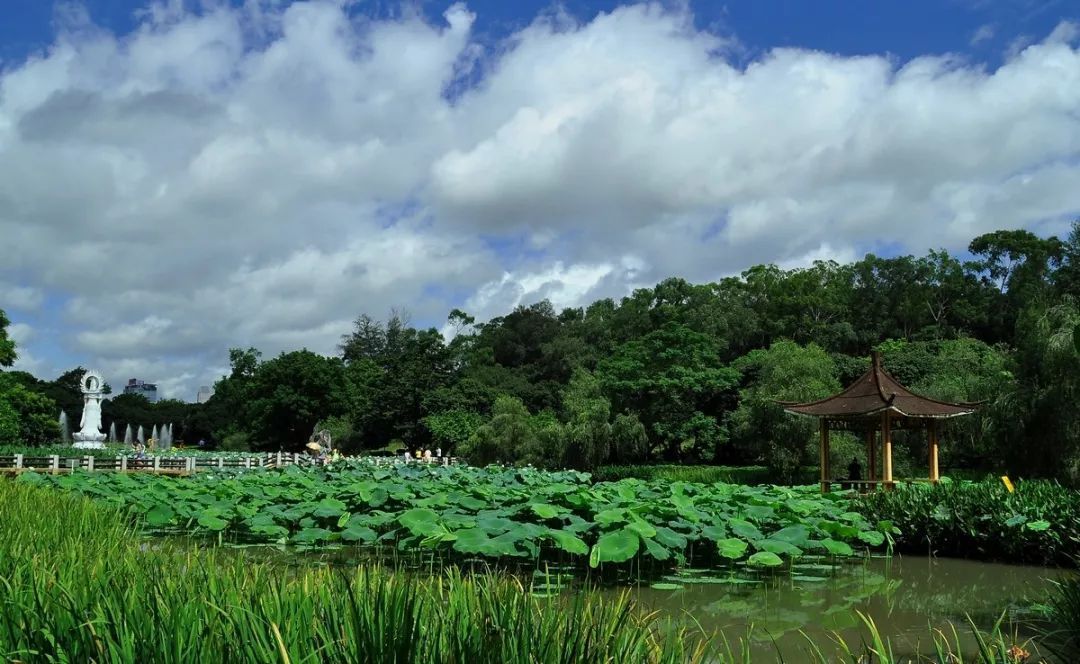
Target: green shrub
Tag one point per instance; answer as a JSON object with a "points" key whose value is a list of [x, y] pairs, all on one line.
{"points": [[236, 441], [1039, 523]]}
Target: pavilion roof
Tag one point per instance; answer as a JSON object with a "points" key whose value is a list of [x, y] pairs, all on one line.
{"points": [[876, 391]]}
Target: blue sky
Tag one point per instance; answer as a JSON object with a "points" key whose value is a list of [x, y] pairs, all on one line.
{"points": [[905, 29], [182, 178]]}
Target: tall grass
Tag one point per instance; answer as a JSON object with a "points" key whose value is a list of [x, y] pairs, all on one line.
{"points": [[675, 473], [77, 585]]}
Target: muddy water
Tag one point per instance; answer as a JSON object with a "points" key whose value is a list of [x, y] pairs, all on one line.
{"points": [[904, 596]]}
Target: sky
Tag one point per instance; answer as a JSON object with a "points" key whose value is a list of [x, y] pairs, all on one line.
{"points": [[178, 178]]}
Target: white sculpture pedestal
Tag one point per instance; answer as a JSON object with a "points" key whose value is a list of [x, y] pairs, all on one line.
{"points": [[89, 436]]}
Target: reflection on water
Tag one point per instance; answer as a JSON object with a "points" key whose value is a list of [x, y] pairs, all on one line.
{"points": [[904, 596]]}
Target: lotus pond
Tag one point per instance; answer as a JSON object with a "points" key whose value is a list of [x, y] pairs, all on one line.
{"points": [[497, 514], [718, 557]]}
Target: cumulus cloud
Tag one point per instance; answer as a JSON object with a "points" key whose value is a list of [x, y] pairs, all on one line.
{"points": [[259, 175]]}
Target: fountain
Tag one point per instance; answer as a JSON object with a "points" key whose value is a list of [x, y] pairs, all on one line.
{"points": [[90, 435], [65, 432], [140, 437], [112, 432], [155, 436], [127, 436], [166, 436]]}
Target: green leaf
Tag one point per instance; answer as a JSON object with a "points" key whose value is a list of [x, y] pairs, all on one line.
{"points": [[797, 535], [358, 533], [615, 547], [1037, 526], [472, 540], [160, 515], [779, 547], [419, 520], [765, 559], [328, 508], [837, 548], [312, 535], [744, 529], [732, 548], [872, 537], [655, 549], [211, 522], [546, 511], [569, 543]]}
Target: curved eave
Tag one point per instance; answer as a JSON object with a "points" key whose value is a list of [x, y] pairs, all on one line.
{"points": [[875, 411]]}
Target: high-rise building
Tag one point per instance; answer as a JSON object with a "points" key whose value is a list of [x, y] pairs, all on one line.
{"points": [[136, 386], [205, 392]]}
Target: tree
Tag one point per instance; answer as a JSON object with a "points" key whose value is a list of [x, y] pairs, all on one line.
{"points": [[675, 380], [587, 431], [26, 417], [785, 371], [452, 428], [513, 436], [1037, 420], [292, 392], [7, 344]]}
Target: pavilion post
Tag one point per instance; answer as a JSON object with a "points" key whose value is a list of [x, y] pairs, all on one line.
{"points": [[935, 474], [871, 456], [825, 484], [886, 449]]}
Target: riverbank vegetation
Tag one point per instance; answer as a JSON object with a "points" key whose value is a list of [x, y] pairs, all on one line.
{"points": [[80, 584], [1037, 523], [679, 372]]}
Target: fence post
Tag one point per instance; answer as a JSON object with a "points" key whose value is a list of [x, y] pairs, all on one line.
{"points": [[247, 462], [54, 463], [221, 462], [278, 463], [123, 463], [18, 460], [157, 463], [296, 458], [89, 463]]}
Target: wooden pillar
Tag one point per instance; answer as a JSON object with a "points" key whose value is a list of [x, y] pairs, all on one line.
{"points": [[871, 454], [886, 448], [825, 484], [935, 474]]}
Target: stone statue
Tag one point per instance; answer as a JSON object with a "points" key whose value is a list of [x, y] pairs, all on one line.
{"points": [[90, 434]]}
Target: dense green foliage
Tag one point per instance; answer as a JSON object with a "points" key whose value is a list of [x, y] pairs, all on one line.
{"points": [[494, 512], [684, 372], [1039, 523]]}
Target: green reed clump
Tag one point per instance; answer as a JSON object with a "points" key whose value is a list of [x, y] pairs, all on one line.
{"points": [[1062, 633], [1039, 523]]}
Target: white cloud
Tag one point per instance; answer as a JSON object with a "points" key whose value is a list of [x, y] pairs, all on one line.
{"points": [[984, 33], [260, 175], [20, 297]]}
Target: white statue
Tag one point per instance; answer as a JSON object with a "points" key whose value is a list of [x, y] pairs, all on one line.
{"points": [[89, 434]]}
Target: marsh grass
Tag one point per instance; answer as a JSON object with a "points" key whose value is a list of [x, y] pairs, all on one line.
{"points": [[78, 585]]}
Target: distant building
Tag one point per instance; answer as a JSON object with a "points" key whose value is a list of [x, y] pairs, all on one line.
{"points": [[136, 386], [205, 392]]}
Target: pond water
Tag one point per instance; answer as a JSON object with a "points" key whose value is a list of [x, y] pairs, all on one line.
{"points": [[904, 596]]}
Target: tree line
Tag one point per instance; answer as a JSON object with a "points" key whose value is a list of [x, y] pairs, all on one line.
{"points": [[690, 373]]}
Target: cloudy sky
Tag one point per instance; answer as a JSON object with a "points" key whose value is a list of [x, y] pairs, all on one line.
{"points": [[178, 178]]}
